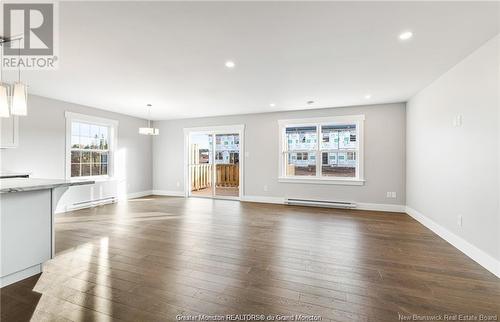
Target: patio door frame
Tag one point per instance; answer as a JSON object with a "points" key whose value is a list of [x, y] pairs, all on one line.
{"points": [[214, 130]]}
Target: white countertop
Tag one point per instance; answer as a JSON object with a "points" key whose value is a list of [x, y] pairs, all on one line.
{"points": [[27, 184]]}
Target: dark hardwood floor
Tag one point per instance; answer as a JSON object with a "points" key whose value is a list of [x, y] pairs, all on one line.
{"points": [[154, 258]]}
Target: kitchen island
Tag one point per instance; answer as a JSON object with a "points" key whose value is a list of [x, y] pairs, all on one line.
{"points": [[27, 207]]}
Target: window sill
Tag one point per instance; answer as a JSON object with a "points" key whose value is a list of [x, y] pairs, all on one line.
{"points": [[313, 180], [94, 178]]}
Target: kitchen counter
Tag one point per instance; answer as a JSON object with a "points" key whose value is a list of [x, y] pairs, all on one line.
{"points": [[28, 184], [27, 208]]}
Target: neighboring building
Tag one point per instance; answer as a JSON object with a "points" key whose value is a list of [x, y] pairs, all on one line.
{"points": [[227, 149], [302, 159], [340, 159], [335, 141]]}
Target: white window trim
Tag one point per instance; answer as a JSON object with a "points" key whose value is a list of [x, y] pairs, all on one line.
{"points": [[356, 119], [113, 138]]}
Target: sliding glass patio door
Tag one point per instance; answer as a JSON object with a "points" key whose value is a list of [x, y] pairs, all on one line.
{"points": [[214, 164], [227, 165], [201, 165]]}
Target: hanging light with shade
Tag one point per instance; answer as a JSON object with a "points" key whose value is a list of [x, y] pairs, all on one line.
{"points": [[19, 94], [13, 97], [4, 100], [4, 90], [149, 130], [20, 100]]}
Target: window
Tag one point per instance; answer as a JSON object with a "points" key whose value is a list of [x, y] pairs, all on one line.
{"points": [[325, 150], [89, 146], [299, 141]]}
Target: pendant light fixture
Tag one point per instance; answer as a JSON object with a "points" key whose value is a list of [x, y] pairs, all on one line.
{"points": [[13, 97], [19, 93], [149, 130], [4, 90], [20, 100], [4, 101]]}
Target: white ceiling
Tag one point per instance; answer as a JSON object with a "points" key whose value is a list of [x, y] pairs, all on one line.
{"points": [[121, 56]]}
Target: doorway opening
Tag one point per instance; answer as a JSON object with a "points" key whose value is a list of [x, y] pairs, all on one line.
{"points": [[214, 162]]}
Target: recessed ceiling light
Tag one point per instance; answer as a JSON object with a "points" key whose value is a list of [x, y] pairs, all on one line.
{"points": [[230, 64], [368, 96], [310, 102], [272, 105], [405, 35]]}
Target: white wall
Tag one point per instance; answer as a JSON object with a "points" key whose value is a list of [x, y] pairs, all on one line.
{"points": [[42, 149], [454, 171], [384, 155]]}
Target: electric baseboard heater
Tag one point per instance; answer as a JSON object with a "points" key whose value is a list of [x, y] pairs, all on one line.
{"points": [[320, 203], [93, 203]]}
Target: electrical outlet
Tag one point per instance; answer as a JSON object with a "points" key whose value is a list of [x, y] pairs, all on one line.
{"points": [[460, 221], [247, 154], [178, 184], [391, 194], [265, 187], [457, 120]]}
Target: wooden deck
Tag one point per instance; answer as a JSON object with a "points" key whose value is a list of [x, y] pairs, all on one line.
{"points": [[154, 258], [221, 191]]}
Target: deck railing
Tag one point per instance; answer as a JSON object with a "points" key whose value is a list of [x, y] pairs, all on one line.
{"points": [[201, 176], [227, 175]]}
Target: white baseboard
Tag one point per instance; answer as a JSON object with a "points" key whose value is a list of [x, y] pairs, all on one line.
{"points": [[139, 194], [172, 193], [20, 275], [380, 207], [263, 199], [476, 254]]}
